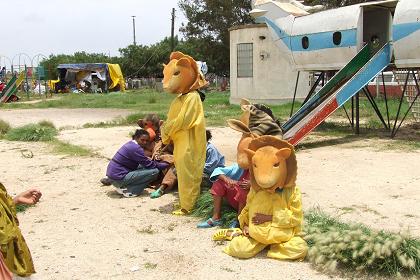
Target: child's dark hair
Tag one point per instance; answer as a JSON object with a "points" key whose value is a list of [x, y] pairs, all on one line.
{"points": [[208, 135], [153, 118], [140, 132]]}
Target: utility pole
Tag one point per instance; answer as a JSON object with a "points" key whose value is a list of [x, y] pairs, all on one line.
{"points": [[172, 30], [134, 30]]}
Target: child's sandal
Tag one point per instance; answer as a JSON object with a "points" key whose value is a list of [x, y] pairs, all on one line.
{"points": [[227, 234]]}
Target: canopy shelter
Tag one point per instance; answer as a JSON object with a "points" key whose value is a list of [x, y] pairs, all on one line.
{"points": [[94, 77]]}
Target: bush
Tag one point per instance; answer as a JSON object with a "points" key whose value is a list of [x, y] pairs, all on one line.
{"points": [[32, 133], [333, 243], [4, 127], [46, 123]]}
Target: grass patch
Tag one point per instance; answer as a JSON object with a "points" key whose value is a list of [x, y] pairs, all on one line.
{"points": [[204, 209], [45, 131], [20, 208], [334, 244], [4, 127], [32, 133], [218, 110], [61, 147]]}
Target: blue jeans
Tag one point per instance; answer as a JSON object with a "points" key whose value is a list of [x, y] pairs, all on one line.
{"points": [[136, 181]]}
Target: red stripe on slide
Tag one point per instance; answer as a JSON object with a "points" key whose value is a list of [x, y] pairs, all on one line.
{"points": [[314, 122]]}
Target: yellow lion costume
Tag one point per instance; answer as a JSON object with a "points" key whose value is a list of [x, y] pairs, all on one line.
{"points": [[185, 126], [273, 214]]}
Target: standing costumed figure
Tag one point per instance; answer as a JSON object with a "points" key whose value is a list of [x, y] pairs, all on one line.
{"points": [[273, 213], [185, 126]]}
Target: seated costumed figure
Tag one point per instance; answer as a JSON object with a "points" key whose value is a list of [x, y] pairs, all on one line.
{"points": [[273, 213]]}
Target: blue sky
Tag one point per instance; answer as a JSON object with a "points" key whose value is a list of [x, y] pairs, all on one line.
{"points": [[102, 26]]}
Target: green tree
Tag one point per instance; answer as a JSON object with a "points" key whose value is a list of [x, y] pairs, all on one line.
{"points": [[208, 28], [146, 61]]}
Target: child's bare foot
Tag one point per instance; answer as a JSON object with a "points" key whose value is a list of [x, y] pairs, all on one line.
{"points": [[28, 197]]}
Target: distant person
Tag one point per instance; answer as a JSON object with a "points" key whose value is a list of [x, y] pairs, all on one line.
{"points": [[3, 73], [15, 257], [130, 171]]}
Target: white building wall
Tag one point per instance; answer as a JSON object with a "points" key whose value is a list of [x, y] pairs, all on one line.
{"points": [[273, 80]]}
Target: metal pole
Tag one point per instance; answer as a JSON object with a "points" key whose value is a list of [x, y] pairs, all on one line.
{"points": [[374, 105], [172, 30], [393, 132], [294, 94], [357, 114], [386, 99], [26, 81], [134, 30]]}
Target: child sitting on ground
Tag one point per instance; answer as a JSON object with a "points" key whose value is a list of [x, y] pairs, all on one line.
{"points": [[232, 183]]}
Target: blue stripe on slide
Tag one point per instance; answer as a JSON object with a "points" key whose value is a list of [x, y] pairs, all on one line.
{"points": [[317, 41], [365, 75]]}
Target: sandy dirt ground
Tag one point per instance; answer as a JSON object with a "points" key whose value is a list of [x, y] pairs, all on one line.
{"points": [[82, 230]]}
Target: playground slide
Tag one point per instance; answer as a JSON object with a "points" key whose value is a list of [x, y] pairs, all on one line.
{"points": [[11, 87], [327, 101], [339, 79]]}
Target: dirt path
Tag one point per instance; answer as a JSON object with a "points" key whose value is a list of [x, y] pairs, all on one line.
{"points": [[81, 230], [61, 117]]}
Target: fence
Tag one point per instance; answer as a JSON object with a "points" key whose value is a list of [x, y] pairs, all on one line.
{"points": [[215, 83]]}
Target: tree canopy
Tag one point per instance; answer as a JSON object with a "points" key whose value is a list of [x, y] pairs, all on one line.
{"points": [[208, 28]]}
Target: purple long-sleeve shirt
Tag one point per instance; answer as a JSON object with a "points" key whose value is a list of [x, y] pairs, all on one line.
{"points": [[128, 158]]}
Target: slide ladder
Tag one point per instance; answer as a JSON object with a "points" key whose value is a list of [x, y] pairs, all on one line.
{"points": [[345, 84]]}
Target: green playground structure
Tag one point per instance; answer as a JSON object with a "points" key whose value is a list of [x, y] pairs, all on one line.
{"points": [[8, 93]]}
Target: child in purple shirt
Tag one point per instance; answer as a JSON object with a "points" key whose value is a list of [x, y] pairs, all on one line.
{"points": [[130, 171]]}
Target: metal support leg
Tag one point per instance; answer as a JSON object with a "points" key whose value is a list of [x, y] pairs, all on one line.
{"points": [[352, 112], [357, 114], [294, 94], [399, 106], [374, 105], [386, 100], [313, 88], [411, 105]]}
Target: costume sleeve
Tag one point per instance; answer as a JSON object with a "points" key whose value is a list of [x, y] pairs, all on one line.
{"points": [[291, 217], [233, 171], [188, 116], [243, 218]]}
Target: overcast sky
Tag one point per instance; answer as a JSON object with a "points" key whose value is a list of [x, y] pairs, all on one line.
{"points": [[64, 27]]}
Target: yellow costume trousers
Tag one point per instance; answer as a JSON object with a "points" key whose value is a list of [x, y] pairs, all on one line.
{"points": [[185, 127], [246, 247]]}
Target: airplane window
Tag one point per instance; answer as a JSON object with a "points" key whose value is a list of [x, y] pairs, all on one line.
{"points": [[305, 42], [337, 38]]}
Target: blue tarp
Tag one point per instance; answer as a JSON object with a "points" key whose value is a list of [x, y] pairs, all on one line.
{"points": [[84, 66]]}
